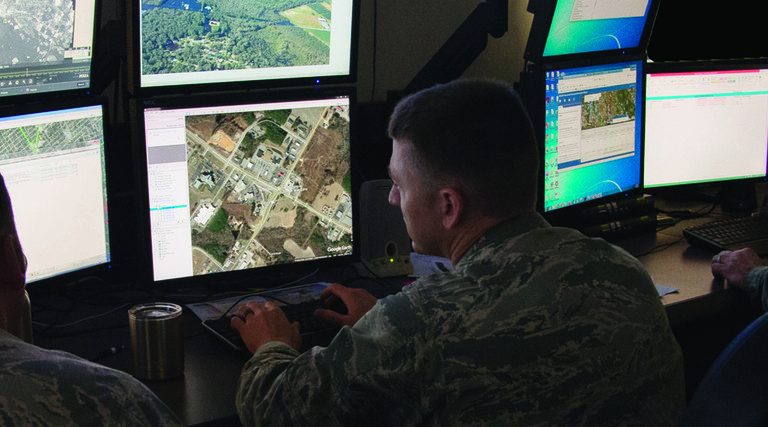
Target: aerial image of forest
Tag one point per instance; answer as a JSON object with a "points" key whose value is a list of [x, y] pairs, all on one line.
{"points": [[210, 35]]}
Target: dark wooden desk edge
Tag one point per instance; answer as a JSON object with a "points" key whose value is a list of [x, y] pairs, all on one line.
{"points": [[699, 310]]}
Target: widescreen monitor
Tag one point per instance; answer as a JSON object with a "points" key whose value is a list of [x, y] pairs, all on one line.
{"points": [[705, 122], [46, 47], [592, 133], [572, 27], [53, 163], [183, 46], [236, 187]]}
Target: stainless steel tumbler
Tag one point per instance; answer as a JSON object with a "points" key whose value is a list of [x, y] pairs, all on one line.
{"points": [[157, 340]]}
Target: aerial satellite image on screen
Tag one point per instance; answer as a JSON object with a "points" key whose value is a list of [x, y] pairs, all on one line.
{"points": [[46, 138], [607, 108], [181, 36], [269, 187], [34, 32]]}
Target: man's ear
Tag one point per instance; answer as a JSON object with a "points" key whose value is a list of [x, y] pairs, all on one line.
{"points": [[452, 207]]}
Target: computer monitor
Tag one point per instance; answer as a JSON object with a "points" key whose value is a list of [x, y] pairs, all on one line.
{"points": [[591, 133], [53, 163], [46, 47], [577, 27], [239, 188], [705, 122], [180, 47]]}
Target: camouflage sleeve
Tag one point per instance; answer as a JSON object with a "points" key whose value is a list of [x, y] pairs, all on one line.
{"points": [[756, 286], [44, 387], [259, 382], [377, 371]]}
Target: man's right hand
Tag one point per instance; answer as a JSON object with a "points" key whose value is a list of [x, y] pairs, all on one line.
{"points": [[358, 302]]}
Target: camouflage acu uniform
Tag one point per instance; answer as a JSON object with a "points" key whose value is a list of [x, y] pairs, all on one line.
{"points": [[44, 387], [756, 286], [535, 326]]}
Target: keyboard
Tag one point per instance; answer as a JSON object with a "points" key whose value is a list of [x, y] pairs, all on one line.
{"points": [[298, 303], [313, 330], [731, 234]]}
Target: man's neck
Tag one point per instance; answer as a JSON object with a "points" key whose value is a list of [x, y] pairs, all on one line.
{"points": [[471, 233]]}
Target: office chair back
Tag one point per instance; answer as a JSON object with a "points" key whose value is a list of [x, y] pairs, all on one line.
{"points": [[734, 392]]}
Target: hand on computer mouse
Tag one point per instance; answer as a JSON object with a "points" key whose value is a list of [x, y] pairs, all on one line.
{"points": [[358, 302]]}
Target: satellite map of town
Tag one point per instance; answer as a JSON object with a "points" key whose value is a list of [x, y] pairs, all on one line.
{"points": [[608, 108], [35, 31], [194, 35], [268, 187], [26, 141]]}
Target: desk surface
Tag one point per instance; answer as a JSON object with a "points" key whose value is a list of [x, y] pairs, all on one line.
{"points": [[671, 261], [206, 391]]}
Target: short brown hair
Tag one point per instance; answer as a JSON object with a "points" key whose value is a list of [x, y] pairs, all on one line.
{"points": [[477, 135]]}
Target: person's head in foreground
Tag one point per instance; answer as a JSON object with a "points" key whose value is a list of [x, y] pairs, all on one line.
{"points": [[13, 267], [49, 387]]}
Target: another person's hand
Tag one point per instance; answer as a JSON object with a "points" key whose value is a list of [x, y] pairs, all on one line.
{"points": [[259, 324], [734, 266], [358, 302]]}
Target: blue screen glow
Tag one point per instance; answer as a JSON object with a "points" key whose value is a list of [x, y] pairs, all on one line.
{"points": [[593, 133]]}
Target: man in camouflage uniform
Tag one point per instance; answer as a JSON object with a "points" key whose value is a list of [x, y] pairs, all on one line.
{"points": [[45, 387], [534, 326]]}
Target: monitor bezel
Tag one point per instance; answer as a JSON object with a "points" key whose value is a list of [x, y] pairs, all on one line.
{"points": [[570, 216], [134, 61], [543, 13], [104, 272], [262, 277], [55, 95]]}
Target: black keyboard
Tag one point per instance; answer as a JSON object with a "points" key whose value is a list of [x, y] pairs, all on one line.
{"points": [[313, 330], [731, 234]]}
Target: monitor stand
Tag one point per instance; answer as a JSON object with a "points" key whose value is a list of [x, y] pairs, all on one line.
{"points": [[737, 197]]}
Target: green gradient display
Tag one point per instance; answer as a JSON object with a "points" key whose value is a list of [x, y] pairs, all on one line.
{"points": [[568, 36]]}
